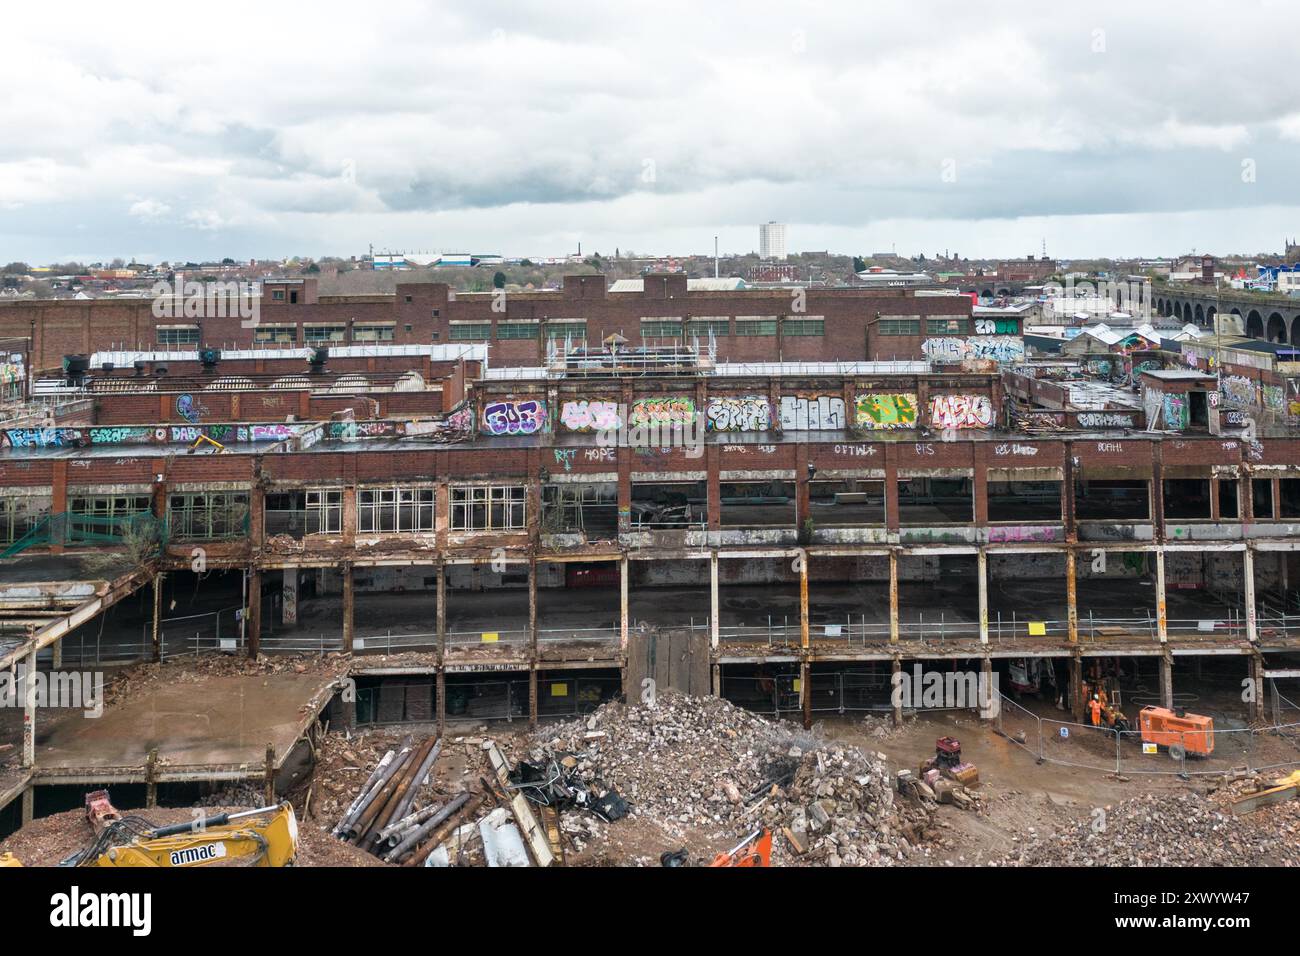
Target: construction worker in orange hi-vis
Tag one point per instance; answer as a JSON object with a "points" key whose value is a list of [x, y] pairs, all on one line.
{"points": [[1094, 705]]}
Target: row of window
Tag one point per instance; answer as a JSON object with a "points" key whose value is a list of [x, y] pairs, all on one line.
{"points": [[396, 509], [267, 334], [322, 334]]}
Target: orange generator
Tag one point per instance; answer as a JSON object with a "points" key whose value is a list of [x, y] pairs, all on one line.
{"points": [[1190, 733]]}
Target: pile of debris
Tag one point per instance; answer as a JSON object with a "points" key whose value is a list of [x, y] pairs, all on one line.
{"points": [[383, 818], [707, 772], [1163, 829]]}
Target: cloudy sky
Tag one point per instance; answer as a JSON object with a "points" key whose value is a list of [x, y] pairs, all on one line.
{"points": [[186, 131]]}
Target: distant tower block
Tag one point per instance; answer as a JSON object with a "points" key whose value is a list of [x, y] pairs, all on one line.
{"points": [[771, 240]]}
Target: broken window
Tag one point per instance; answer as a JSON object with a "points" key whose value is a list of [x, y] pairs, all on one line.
{"points": [[1187, 498], [936, 500], [394, 510], [1289, 497], [101, 514], [1105, 500], [851, 503], [1228, 500], [1024, 500], [758, 504], [303, 512], [1261, 497], [19, 514], [489, 507], [201, 515], [669, 504], [581, 507]]}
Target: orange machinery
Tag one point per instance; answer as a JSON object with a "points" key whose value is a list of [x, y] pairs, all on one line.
{"points": [[1180, 732], [754, 850]]}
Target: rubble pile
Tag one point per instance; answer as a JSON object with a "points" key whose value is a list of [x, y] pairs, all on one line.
{"points": [[699, 765], [1165, 829]]}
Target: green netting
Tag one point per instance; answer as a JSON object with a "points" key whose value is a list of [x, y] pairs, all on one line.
{"points": [[71, 529]]}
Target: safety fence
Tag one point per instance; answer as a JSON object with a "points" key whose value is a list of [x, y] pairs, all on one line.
{"points": [[1127, 751], [504, 697]]}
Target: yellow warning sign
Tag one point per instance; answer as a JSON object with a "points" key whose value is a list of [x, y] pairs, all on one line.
{"points": [[1037, 629], [490, 637], [559, 690]]}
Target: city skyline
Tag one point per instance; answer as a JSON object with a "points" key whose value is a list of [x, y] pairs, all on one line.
{"points": [[532, 131]]}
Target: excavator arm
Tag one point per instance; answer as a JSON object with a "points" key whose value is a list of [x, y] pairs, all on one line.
{"points": [[264, 837]]}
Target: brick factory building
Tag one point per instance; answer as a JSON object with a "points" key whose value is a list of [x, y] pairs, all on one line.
{"points": [[520, 509]]}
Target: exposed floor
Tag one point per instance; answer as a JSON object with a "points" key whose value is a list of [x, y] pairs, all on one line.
{"points": [[205, 721]]}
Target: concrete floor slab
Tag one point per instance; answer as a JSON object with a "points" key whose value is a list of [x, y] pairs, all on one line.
{"points": [[213, 720]]}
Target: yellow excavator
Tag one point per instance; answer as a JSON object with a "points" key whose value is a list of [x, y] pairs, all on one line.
{"points": [[267, 836]]}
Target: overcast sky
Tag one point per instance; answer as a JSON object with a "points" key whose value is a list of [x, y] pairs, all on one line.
{"points": [[187, 131]]}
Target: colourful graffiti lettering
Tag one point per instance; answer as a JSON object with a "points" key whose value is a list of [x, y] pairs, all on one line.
{"points": [[823, 413], [997, 348], [45, 437], [526, 417], [671, 411], [961, 411], [749, 414], [885, 410], [589, 416]]}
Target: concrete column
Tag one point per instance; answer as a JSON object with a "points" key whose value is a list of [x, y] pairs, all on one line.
{"points": [[29, 711], [440, 682], [1166, 682], [1255, 667], [532, 610], [56, 652], [1076, 688], [253, 614], [532, 695], [1071, 596], [1162, 617], [157, 617], [893, 597], [349, 607], [986, 678], [1248, 584], [803, 599], [441, 622], [805, 692], [622, 602], [289, 598], [713, 599], [896, 669], [983, 567], [29, 804], [717, 680]]}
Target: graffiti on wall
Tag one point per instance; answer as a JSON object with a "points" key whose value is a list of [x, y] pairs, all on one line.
{"points": [[1177, 413], [884, 410], [821, 413], [514, 417], [1274, 397], [120, 435], [44, 437], [961, 411], [188, 409], [589, 416], [673, 411], [1237, 390], [997, 348], [739, 414], [1105, 420]]}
